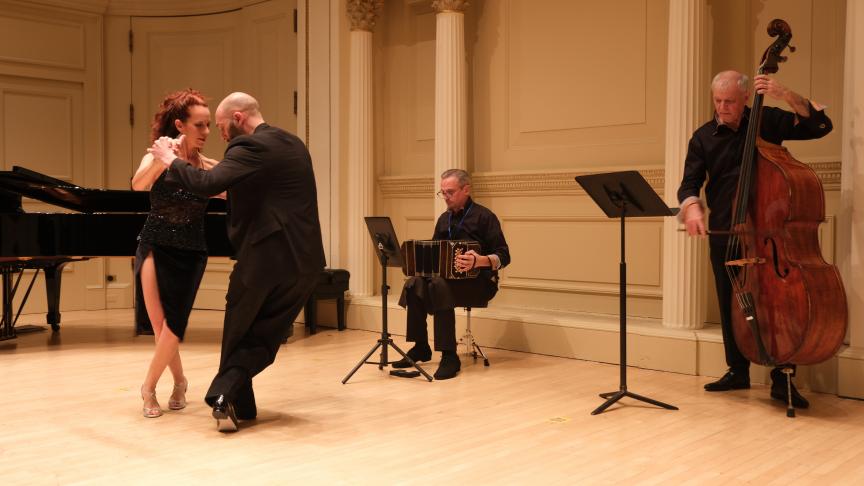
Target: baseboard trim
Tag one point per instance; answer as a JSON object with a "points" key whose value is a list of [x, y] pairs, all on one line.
{"points": [[594, 337]]}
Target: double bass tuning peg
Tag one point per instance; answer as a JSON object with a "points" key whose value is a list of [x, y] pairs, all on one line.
{"points": [[786, 58]]}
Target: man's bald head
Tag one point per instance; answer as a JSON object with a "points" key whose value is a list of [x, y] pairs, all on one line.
{"points": [[241, 102], [238, 114]]}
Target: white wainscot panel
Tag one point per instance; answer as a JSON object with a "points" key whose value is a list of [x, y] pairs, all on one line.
{"points": [[578, 254], [418, 228]]}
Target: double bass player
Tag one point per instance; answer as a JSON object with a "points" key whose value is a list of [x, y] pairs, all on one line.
{"points": [[714, 153]]}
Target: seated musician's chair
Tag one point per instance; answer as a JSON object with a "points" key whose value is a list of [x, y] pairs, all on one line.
{"points": [[473, 348], [332, 284]]}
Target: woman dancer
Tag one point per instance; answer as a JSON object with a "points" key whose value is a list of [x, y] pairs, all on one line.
{"points": [[172, 252]]}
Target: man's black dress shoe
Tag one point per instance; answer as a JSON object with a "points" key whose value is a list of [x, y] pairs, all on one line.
{"points": [[732, 380], [245, 407], [244, 415], [778, 390], [418, 355], [223, 412], [448, 368]]}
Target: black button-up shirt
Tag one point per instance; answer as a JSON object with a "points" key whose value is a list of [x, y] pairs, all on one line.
{"points": [[477, 223], [715, 152]]}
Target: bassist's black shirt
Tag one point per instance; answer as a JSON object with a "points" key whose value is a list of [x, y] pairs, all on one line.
{"points": [[715, 152]]}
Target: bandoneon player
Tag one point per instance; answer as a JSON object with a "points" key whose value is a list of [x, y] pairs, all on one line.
{"points": [[437, 296]]}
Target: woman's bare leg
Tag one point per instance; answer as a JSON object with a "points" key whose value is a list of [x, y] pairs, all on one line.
{"points": [[167, 344]]}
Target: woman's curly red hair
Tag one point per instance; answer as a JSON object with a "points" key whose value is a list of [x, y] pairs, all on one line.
{"points": [[175, 106]]}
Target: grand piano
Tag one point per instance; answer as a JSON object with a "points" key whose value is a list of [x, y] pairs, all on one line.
{"points": [[106, 224]]}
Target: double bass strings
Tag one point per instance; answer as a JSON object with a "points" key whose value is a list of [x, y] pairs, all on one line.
{"points": [[745, 183]]}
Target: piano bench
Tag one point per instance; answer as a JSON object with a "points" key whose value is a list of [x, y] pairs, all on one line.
{"points": [[332, 284]]}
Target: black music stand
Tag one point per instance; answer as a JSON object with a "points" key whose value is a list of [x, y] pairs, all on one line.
{"points": [[387, 248], [621, 194]]}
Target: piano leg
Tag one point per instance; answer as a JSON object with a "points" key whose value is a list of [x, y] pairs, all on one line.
{"points": [[7, 331], [52, 289]]}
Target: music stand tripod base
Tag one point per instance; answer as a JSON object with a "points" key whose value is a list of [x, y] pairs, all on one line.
{"points": [[613, 397], [387, 249], [383, 344]]}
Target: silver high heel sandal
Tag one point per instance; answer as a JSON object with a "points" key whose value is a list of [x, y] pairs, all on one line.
{"points": [[179, 388], [150, 412]]}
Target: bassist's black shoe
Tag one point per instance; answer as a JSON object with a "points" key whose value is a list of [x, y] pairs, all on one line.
{"points": [[223, 412], [778, 390], [732, 380]]}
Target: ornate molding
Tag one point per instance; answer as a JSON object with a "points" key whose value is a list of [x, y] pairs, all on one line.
{"points": [[828, 173], [92, 6], [544, 183], [513, 184], [450, 5], [549, 183], [407, 186], [363, 13], [148, 8], [151, 8]]}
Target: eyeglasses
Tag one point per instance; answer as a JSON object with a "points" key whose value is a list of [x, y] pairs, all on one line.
{"points": [[447, 194]]}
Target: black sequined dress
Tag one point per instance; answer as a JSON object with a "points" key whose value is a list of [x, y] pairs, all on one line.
{"points": [[174, 234]]}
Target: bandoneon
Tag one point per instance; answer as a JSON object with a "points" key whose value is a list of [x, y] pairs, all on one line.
{"points": [[436, 258]]}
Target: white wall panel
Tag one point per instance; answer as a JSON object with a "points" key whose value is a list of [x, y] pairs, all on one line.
{"points": [[570, 68], [53, 113], [31, 39]]}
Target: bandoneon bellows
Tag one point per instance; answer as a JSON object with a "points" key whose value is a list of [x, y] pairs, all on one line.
{"points": [[436, 258]]}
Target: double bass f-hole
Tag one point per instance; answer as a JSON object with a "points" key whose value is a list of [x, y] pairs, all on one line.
{"points": [[776, 259]]}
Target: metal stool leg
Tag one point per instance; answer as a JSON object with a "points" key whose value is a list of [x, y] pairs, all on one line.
{"points": [[473, 348]]}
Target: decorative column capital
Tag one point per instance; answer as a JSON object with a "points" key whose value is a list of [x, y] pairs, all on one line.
{"points": [[450, 5], [363, 13]]}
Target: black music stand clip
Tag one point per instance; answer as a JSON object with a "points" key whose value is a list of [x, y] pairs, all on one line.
{"points": [[387, 249], [621, 194]]}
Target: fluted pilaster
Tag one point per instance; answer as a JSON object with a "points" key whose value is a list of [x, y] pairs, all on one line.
{"points": [[362, 14], [451, 110], [685, 268], [850, 218]]}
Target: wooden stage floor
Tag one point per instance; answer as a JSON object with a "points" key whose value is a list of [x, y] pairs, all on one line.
{"points": [[71, 415]]}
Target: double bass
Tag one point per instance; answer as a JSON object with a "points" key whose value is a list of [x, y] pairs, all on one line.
{"points": [[790, 306]]}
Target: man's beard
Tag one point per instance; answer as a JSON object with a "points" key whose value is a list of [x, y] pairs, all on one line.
{"points": [[234, 131]]}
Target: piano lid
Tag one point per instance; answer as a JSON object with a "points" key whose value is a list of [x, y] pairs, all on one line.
{"points": [[35, 185], [10, 202]]}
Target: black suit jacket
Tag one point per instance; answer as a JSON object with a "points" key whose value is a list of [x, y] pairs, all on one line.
{"points": [[273, 206]]}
